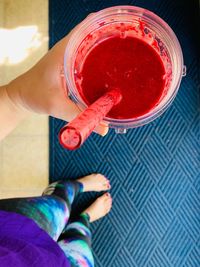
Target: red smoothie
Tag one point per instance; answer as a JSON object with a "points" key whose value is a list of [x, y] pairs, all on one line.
{"points": [[129, 64]]}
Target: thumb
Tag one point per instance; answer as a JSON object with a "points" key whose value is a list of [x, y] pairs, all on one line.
{"points": [[102, 129]]}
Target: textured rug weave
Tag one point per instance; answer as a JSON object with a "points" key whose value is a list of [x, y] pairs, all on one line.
{"points": [[154, 170]]}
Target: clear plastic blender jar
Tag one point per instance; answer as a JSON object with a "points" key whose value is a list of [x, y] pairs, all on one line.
{"points": [[116, 21]]}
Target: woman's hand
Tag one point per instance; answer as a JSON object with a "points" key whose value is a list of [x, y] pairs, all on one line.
{"points": [[42, 89]]}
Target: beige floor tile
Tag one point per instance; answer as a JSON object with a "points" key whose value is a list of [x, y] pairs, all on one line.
{"points": [[24, 162], [2, 75], [11, 69], [24, 153], [1, 14], [34, 125], [1, 161], [27, 12], [20, 193], [31, 40]]}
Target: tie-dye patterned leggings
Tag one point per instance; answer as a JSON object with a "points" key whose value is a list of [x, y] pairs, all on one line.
{"points": [[51, 212]]}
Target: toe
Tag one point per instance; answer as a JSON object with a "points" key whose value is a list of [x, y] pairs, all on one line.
{"points": [[100, 176], [109, 205], [103, 197], [108, 199], [108, 186], [106, 181]]}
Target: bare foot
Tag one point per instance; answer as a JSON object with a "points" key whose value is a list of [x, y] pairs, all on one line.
{"points": [[95, 182], [100, 207]]}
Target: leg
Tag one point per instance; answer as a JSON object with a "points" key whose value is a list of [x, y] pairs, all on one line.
{"points": [[76, 238], [95, 182], [66, 190], [76, 242], [51, 211]]}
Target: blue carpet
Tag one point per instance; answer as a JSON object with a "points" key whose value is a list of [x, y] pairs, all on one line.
{"points": [[154, 170]]}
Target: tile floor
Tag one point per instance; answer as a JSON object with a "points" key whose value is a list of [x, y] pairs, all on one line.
{"points": [[24, 153]]}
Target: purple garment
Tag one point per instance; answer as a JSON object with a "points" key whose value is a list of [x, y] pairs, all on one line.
{"points": [[24, 244]]}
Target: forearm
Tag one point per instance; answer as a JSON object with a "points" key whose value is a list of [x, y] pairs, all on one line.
{"points": [[10, 113]]}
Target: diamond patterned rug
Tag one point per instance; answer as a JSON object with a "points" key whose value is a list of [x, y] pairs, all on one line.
{"points": [[154, 170]]}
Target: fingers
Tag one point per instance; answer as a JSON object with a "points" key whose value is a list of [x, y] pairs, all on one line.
{"points": [[72, 109], [101, 129], [90, 15], [68, 110]]}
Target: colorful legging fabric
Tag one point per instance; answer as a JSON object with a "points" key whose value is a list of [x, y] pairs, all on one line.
{"points": [[51, 212]]}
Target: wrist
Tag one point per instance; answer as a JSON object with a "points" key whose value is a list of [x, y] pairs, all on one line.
{"points": [[9, 101], [10, 113], [13, 93]]}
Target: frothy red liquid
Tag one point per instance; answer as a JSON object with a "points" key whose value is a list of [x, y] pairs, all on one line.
{"points": [[129, 64]]}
